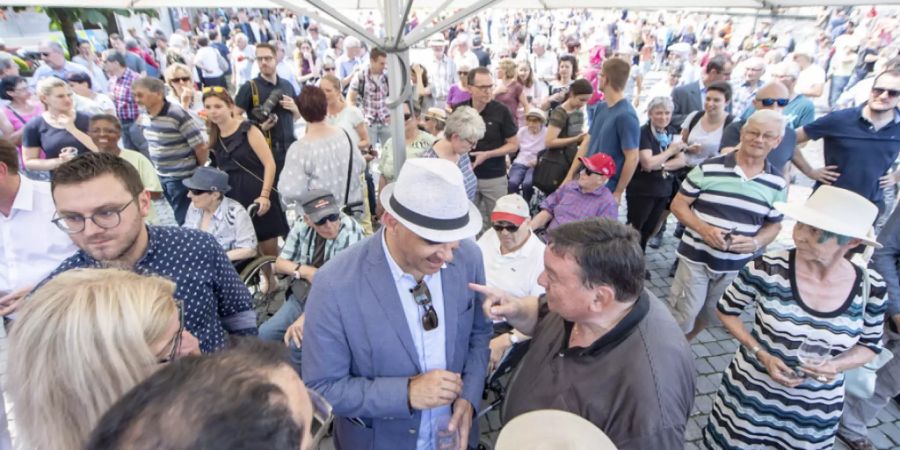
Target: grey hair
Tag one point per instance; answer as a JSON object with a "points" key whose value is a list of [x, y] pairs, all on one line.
{"points": [[767, 116], [351, 42], [656, 102], [115, 56], [151, 84], [789, 68], [54, 46], [131, 44], [6, 62], [466, 123]]}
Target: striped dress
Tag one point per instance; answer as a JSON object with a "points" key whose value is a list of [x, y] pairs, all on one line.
{"points": [[752, 411]]}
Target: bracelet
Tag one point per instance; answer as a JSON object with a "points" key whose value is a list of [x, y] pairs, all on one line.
{"points": [[755, 350]]}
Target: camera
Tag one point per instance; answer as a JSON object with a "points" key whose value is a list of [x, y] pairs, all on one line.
{"points": [[262, 112]]}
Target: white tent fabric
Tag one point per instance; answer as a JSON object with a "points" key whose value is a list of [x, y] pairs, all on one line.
{"points": [[520, 4]]}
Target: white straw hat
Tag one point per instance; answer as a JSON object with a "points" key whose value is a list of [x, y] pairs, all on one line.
{"points": [[429, 197], [836, 210], [549, 429]]}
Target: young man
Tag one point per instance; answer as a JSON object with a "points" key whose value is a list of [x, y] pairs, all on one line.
{"points": [[102, 205], [121, 80], [369, 91]]}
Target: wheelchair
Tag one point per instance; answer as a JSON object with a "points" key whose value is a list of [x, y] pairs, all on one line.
{"points": [[265, 302]]}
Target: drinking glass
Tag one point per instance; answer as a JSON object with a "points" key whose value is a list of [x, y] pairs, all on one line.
{"points": [[444, 439]]}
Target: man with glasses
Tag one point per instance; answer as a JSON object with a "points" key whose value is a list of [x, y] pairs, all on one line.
{"points": [[55, 64], [313, 241], [394, 339], [773, 96], [860, 144], [245, 397], [500, 139], [585, 197], [102, 205]]}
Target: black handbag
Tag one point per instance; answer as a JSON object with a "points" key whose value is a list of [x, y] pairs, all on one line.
{"points": [[553, 165]]}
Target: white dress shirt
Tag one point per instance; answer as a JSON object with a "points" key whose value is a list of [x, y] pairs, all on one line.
{"points": [[31, 246], [430, 345], [516, 272]]}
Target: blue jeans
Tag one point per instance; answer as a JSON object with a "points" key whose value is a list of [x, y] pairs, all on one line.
{"points": [[277, 325], [838, 83], [521, 175], [176, 193]]}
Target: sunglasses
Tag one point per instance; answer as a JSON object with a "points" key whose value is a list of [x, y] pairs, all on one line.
{"points": [[181, 80], [198, 191], [510, 228], [216, 89], [422, 296], [771, 101], [328, 218], [462, 72], [592, 172], [890, 92], [45, 53]]}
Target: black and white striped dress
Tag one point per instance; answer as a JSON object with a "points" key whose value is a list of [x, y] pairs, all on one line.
{"points": [[751, 410]]}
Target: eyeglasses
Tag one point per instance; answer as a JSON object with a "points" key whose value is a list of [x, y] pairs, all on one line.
{"points": [[45, 53], [328, 218], [328, 69], [176, 341], [181, 80], [104, 219], [422, 296], [752, 135], [510, 228], [890, 92], [462, 72], [484, 88], [216, 89], [771, 101], [591, 172], [198, 191]]}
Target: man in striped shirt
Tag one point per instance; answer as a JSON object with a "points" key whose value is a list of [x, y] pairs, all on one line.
{"points": [[176, 142], [726, 203]]}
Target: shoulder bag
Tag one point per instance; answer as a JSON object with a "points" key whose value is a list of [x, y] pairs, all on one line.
{"points": [[553, 165], [349, 208], [860, 382]]}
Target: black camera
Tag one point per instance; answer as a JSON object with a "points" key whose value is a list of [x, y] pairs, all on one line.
{"points": [[262, 112]]}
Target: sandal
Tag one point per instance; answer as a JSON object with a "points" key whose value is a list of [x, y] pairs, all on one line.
{"points": [[859, 444]]}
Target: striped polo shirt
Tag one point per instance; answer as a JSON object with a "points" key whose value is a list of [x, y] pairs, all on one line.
{"points": [[171, 137], [728, 199]]}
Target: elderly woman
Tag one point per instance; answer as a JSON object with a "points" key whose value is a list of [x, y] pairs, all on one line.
{"points": [[59, 133], [224, 218], [464, 128], [181, 88], [434, 121], [77, 347], [652, 187], [785, 386], [322, 158]]}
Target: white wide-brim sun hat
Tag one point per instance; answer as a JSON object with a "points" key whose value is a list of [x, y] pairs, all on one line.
{"points": [[429, 198], [549, 429], [836, 210]]}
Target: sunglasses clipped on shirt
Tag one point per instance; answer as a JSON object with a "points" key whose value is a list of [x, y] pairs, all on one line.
{"points": [[422, 296], [890, 92], [771, 101]]}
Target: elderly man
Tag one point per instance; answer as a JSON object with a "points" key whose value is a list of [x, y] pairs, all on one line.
{"points": [[176, 142], [55, 64], [727, 206], [861, 143], [348, 62], [489, 154], [603, 347], [393, 338], [744, 91], [120, 89], [544, 62], [441, 72], [773, 96]]}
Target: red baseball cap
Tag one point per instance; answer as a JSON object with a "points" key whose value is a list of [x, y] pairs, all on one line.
{"points": [[600, 163]]}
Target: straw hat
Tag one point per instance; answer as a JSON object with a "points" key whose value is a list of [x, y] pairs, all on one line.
{"points": [[549, 429], [836, 210]]}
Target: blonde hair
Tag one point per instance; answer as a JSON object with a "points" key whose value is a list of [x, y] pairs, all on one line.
{"points": [[46, 86], [173, 68], [81, 341], [508, 67]]}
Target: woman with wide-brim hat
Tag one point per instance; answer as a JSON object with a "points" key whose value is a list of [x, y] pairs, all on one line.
{"points": [[785, 386]]}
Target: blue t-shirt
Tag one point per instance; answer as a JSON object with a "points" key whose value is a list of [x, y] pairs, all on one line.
{"points": [[799, 112], [862, 154], [778, 157], [613, 130]]}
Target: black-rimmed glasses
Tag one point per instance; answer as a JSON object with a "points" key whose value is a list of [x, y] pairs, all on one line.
{"points": [[176, 340], [422, 296], [103, 219]]}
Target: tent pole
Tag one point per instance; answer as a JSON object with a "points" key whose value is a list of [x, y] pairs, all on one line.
{"points": [[422, 32], [393, 23]]}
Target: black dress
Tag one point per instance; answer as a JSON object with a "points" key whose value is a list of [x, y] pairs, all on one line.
{"points": [[234, 155]]}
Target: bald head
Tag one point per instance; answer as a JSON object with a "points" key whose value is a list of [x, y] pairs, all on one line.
{"points": [[771, 93]]}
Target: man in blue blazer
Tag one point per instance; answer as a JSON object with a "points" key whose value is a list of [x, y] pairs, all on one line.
{"points": [[689, 97], [394, 339]]}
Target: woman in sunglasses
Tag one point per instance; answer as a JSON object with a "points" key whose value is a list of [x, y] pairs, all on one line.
{"points": [[77, 347], [181, 88], [224, 218]]}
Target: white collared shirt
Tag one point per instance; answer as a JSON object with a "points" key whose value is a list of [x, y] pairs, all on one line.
{"points": [[516, 272], [430, 345], [31, 246]]}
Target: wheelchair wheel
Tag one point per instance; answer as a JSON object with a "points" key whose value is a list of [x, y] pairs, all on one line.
{"points": [[252, 276]]}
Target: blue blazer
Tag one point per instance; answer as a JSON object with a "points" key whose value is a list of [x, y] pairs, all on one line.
{"points": [[359, 354], [686, 100]]}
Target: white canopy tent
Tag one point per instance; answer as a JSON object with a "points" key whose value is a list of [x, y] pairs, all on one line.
{"points": [[396, 13]]}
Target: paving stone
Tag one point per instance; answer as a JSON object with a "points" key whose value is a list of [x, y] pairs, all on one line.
{"points": [[700, 350], [720, 362], [892, 411], [706, 384], [891, 430], [703, 366], [704, 337], [692, 431], [879, 439], [692, 446], [714, 348], [730, 346]]}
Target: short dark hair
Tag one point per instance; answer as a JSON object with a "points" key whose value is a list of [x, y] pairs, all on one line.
{"points": [[9, 156], [376, 53], [203, 41], [716, 63], [79, 77], [268, 46], [106, 118], [470, 78], [218, 401], [580, 87], [571, 59], [608, 252], [212, 34], [312, 104], [91, 165], [721, 86], [9, 83]]}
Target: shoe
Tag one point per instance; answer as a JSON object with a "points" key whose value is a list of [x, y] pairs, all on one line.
{"points": [[647, 275], [655, 241], [859, 444], [673, 269]]}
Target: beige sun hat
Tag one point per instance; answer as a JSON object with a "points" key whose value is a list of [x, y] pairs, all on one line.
{"points": [[836, 210], [549, 429]]}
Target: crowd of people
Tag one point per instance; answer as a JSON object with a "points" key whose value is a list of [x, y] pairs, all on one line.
{"points": [[154, 170]]}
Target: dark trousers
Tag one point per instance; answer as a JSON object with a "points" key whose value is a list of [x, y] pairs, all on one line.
{"points": [[176, 193], [644, 213], [216, 81], [133, 137], [521, 175]]}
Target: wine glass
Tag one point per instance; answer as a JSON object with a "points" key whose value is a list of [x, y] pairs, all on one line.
{"points": [[814, 353], [444, 439]]}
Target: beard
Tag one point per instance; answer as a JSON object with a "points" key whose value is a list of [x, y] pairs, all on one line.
{"points": [[115, 258]]}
